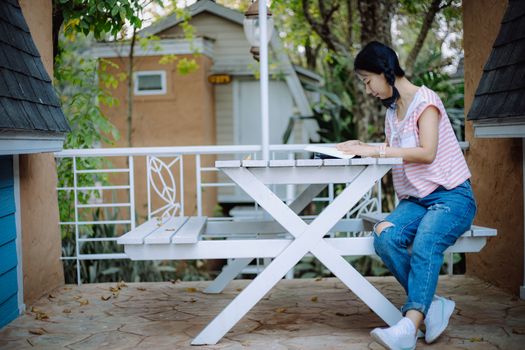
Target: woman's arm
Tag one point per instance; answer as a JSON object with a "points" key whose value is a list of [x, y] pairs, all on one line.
{"points": [[428, 124]]}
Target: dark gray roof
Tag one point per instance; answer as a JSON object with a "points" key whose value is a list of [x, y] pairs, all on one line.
{"points": [[501, 90], [27, 98]]}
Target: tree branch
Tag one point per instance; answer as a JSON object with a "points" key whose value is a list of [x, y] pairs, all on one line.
{"points": [[350, 22], [425, 28], [323, 29]]}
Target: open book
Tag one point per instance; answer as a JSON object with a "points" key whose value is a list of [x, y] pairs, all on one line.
{"points": [[328, 150]]}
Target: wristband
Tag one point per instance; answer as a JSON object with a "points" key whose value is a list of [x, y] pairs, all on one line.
{"points": [[382, 150]]}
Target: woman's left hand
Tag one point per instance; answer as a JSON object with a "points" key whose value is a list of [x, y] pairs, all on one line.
{"points": [[362, 150]]}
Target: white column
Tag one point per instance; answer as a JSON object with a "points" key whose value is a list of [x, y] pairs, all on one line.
{"points": [[264, 79]]}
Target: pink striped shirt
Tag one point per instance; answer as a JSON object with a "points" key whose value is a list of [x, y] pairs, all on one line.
{"points": [[449, 169]]}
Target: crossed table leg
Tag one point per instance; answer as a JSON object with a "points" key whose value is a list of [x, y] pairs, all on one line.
{"points": [[308, 238], [234, 268]]}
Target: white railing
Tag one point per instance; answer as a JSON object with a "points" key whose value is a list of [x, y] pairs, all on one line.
{"points": [[164, 171]]}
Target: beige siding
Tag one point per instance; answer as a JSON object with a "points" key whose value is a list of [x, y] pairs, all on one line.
{"points": [[230, 48], [224, 114]]}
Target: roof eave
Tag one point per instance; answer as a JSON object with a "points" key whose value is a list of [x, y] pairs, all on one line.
{"points": [[30, 142]]}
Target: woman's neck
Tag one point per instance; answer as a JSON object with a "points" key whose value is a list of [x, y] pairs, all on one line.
{"points": [[407, 90]]}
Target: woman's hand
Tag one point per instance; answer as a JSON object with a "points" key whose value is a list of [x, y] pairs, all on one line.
{"points": [[357, 148], [348, 143]]}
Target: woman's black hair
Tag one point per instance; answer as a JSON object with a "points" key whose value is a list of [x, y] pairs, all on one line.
{"points": [[378, 58]]}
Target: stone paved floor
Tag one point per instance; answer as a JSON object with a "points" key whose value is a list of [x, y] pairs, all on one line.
{"points": [[296, 314]]}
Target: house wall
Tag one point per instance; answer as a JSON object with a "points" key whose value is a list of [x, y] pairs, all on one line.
{"points": [[41, 241], [496, 164], [231, 50], [184, 116]]}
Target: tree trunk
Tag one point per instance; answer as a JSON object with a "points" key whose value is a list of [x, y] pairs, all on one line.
{"points": [[130, 87], [376, 20], [58, 19], [427, 24]]}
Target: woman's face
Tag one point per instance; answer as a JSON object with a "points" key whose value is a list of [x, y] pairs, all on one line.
{"points": [[375, 84]]}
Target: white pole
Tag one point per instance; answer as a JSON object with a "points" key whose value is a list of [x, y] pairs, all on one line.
{"points": [[264, 79]]}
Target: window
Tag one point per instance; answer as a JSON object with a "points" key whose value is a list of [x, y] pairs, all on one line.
{"points": [[150, 83]]}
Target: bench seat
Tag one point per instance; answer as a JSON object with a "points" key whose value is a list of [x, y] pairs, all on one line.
{"points": [[188, 238], [176, 230], [475, 231]]}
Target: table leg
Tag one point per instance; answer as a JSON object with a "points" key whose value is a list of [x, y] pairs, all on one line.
{"points": [[228, 273], [325, 253], [232, 270], [308, 237]]}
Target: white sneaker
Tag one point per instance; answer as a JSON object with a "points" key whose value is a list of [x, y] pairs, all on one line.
{"points": [[401, 336], [437, 317]]}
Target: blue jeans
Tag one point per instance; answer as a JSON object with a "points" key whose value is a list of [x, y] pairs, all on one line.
{"points": [[430, 225]]}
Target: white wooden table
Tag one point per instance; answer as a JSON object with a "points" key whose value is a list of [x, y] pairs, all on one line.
{"points": [[253, 176]]}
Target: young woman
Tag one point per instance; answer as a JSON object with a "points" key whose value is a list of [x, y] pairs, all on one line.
{"points": [[436, 201]]}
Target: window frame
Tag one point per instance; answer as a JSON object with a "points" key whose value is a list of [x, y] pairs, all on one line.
{"points": [[136, 76]]}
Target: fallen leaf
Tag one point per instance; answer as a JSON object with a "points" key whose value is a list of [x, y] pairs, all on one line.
{"points": [[114, 289], [37, 331], [41, 316], [191, 290], [141, 289], [193, 300], [318, 279], [34, 309], [280, 310], [83, 302], [314, 299], [341, 314], [66, 311], [520, 331], [476, 340], [76, 297], [239, 289], [105, 297], [67, 288]]}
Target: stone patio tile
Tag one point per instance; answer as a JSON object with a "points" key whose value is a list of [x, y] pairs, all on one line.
{"points": [[108, 341], [297, 314]]}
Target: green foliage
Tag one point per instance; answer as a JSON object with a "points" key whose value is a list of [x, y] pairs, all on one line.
{"points": [[334, 116], [452, 91], [99, 17], [78, 88]]}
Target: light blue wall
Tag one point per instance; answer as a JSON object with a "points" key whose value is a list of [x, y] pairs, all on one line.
{"points": [[8, 260]]}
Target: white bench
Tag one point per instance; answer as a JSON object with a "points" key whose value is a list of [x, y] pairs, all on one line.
{"points": [[177, 230], [465, 244], [475, 231]]}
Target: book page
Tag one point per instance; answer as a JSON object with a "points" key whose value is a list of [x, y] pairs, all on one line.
{"points": [[328, 150]]}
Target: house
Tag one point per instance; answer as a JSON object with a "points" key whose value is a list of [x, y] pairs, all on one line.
{"points": [[31, 125], [495, 102], [216, 105]]}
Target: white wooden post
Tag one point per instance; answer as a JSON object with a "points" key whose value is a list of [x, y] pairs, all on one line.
{"points": [[264, 79]]}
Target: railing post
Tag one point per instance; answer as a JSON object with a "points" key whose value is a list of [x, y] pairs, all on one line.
{"points": [[132, 192], [148, 184], [181, 169], [77, 245], [199, 181]]}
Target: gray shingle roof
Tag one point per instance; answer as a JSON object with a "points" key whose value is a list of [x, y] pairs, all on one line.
{"points": [[501, 90], [27, 98]]}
